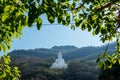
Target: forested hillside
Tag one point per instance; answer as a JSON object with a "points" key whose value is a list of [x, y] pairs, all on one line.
{"points": [[39, 69], [34, 64], [69, 52]]}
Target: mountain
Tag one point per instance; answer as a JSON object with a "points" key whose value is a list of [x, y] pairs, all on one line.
{"points": [[90, 53], [42, 53], [69, 52], [34, 64], [64, 49]]}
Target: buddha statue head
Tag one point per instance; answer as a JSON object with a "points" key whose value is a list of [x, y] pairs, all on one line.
{"points": [[59, 55]]}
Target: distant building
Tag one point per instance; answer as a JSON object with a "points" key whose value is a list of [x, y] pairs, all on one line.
{"points": [[59, 63]]}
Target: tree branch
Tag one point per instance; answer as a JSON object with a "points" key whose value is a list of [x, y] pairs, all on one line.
{"points": [[106, 5], [81, 5], [99, 9]]}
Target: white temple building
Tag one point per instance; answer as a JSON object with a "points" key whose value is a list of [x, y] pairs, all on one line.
{"points": [[59, 63]]}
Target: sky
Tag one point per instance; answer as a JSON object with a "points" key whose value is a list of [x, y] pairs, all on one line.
{"points": [[54, 35]]}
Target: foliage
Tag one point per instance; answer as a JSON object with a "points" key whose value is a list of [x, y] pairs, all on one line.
{"points": [[110, 68], [12, 21], [78, 70], [37, 68], [7, 72], [110, 65], [97, 16]]}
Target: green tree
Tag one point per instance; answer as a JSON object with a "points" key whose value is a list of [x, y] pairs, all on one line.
{"points": [[96, 16], [7, 72]]}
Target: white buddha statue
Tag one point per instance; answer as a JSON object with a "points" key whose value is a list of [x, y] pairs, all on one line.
{"points": [[59, 62]]}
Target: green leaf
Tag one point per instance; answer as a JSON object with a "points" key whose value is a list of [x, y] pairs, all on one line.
{"points": [[109, 64], [89, 27], [68, 19], [51, 19], [63, 22], [4, 17], [97, 30], [77, 22], [15, 1], [109, 27], [59, 19], [103, 31], [119, 61], [114, 61], [4, 48], [7, 8], [39, 23], [83, 26], [73, 26]]}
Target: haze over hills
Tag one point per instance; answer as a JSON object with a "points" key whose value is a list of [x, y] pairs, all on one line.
{"points": [[89, 53]]}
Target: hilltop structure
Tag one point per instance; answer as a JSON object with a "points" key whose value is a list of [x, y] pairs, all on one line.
{"points": [[59, 62]]}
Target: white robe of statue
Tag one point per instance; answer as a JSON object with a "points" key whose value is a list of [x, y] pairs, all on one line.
{"points": [[59, 62]]}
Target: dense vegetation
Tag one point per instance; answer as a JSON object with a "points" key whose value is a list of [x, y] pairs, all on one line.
{"points": [[39, 69], [34, 64]]}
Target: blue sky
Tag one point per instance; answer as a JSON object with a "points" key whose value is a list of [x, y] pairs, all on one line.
{"points": [[54, 35]]}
